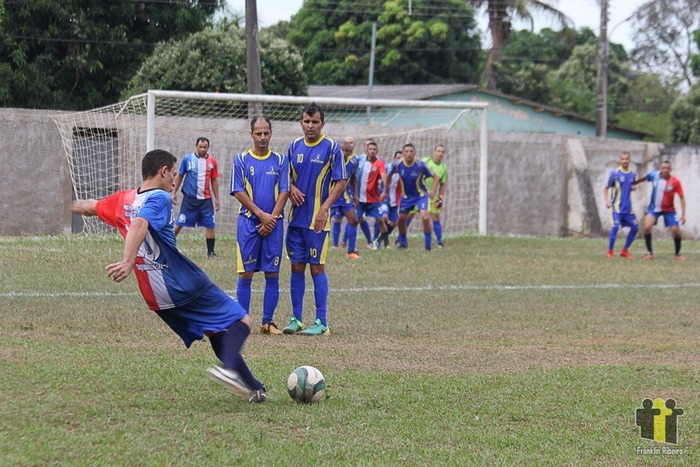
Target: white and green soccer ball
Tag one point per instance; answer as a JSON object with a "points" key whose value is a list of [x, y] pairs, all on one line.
{"points": [[306, 385]]}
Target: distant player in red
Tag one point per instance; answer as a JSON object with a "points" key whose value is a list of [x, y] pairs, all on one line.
{"points": [[665, 187], [200, 192]]}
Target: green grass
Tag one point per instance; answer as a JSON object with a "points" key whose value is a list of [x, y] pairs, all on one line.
{"points": [[494, 350]]}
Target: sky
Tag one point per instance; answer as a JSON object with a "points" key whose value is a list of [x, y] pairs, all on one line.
{"points": [[583, 13]]}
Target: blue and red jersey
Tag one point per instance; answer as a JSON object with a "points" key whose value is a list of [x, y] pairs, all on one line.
{"points": [[166, 278], [369, 178], [620, 182], [313, 169], [198, 173], [663, 192]]}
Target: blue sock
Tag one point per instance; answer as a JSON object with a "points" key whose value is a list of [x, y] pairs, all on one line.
{"points": [[346, 232], [335, 231], [408, 221], [402, 240], [437, 228], [427, 237], [227, 345], [270, 298], [376, 230], [631, 236], [352, 238], [243, 292], [321, 296], [364, 225], [613, 236], [297, 286]]}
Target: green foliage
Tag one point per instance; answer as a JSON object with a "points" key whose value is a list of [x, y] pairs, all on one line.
{"points": [[438, 43], [528, 58], [685, 117], [695, 58], [657, 124], [573, 86], [214, 60], [79, 54]]}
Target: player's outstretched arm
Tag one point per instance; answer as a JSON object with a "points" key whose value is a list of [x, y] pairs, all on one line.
{"points": [[84, 207], [134, 238]]}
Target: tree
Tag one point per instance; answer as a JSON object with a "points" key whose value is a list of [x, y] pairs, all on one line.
{"points": [[664, 38], [529, 57], [501, 14], [436, 43], [573, 85], [213, 60], [79, 54], [685, 117]]}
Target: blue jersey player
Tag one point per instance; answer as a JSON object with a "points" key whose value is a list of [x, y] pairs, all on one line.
{"points": [[317, 179], [618, 198], [260, 182], [344, 207], [173, 286], [413, 174]]}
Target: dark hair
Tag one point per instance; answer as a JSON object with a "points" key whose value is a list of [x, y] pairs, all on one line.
{"points": [[372, 143], [255, 119], [409, 145], [312, 109], [202, 138], [397, 153], [439, 146], [155, 160]]}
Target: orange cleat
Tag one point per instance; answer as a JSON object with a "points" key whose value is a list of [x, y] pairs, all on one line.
{"points": [[649, 256], [353, 255], [680, 258], [626, 254], [610, 254]]}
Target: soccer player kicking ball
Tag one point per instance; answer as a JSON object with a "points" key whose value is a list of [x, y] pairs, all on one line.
{"points": [[173, 286]]}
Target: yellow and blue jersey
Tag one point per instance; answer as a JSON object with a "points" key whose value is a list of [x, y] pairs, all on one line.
{"points": [[313, 169], [620, 184], [351, 165], [412, 178], [262, 178]]}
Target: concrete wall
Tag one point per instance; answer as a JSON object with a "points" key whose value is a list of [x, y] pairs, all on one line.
{"points": [[539, 183], [35, 186]]}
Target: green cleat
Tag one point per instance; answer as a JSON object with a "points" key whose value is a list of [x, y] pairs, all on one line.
{"points": [[294, 327], [316, 329]]}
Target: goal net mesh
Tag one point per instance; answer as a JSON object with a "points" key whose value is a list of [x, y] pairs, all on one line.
{"points": [[104, 146]]}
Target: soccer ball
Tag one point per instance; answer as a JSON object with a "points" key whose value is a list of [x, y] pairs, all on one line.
{"points": [[306, 385]]}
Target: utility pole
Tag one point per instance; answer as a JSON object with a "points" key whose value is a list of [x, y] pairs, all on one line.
{"points": [[253, 75], [371, 70], [601, 111]]}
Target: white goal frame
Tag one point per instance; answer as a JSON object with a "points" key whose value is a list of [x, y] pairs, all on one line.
{"points": [[465, 106]]}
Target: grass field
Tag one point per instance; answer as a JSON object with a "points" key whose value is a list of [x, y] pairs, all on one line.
{"points": [[494, 350]]}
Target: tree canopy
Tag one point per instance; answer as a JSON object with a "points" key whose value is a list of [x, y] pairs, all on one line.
{"points": [[436, 42], [214, 60], [79, 54]]}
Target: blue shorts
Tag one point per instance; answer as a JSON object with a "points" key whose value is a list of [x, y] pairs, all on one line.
{"points": [[624, 220], [196, 213], [306, 246], [670, 218], [256, 253], [213, 311], [407, 204], [338, 210], [369, 210], [393, 214]]}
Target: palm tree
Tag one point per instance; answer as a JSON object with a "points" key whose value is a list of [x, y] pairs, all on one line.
{"points": [[501, 13]]}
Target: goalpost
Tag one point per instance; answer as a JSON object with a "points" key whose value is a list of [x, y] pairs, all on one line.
{"points": [[104, 146]]}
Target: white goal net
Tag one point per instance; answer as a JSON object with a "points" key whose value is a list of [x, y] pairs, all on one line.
{"points": [[104, 146]]}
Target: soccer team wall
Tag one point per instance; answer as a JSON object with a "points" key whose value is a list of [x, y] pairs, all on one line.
{"points": [[539, 184]]}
